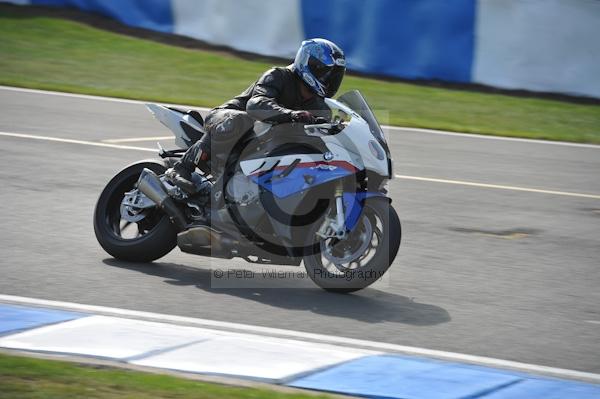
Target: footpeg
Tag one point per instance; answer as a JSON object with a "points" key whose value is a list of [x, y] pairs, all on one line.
{"points": [[185, 185]]}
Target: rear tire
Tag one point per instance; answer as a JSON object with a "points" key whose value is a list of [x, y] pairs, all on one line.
{"points": [[363, 276], [161, 236]]}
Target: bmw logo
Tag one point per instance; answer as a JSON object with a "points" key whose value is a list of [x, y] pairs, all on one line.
{"points": [[328, 156]]}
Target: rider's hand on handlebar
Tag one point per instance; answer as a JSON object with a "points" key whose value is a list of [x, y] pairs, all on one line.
{"points": [[320, 119], [304, 117]]}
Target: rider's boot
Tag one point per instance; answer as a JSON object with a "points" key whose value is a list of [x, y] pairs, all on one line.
{"points": [[198, 155]]}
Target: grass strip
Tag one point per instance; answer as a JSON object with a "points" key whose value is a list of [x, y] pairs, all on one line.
{"points": [[30, 378]]}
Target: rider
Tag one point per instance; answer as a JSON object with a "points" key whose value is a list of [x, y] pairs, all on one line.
{"points": [[293, 94]]}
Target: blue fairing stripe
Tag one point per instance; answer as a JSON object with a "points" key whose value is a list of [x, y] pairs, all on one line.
{"points": [[354, 203], [305, 176]]}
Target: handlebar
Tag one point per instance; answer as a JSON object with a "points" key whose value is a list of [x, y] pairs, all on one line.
{"points": [[331, 128], [320, 126]]}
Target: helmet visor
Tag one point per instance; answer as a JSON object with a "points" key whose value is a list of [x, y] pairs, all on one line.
{"points": [[330, 76], [334, 80]]}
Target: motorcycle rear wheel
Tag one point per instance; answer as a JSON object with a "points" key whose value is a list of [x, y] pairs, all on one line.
{"points": [[374, 241], [156, 236]]}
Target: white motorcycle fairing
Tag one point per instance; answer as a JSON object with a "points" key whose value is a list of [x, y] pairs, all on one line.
{"points": [[178, 123]]}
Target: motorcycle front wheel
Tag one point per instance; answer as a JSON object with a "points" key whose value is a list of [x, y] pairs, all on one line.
{"points": [[147, 239], [362, 257]]}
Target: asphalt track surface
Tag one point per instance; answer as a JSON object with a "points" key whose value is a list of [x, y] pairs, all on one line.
{"points": [[483, 271]]}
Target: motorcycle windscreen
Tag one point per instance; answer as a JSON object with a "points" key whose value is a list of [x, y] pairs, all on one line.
{"points": [[355, 100]]}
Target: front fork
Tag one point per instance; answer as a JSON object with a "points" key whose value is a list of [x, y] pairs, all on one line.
{"points": [[336, 227]]}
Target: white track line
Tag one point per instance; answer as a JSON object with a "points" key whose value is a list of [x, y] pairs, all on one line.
{"points": [[92, 97], [310, 337], [495, 186], [71, 141], [491, 137], [418, 178], [395, 128], [134, 139]]}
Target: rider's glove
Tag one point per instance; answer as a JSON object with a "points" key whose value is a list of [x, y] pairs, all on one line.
{"points": [[303, 117]]}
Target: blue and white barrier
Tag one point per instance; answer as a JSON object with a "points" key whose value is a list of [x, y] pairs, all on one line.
{"points": [[538, 45], [267, 27], [298, 363]]}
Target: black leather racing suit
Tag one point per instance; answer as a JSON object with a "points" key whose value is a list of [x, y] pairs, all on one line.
{"points": [[272, 98]]}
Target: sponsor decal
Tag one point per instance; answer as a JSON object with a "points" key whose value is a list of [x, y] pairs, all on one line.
{"points": [[340, 62], [308, 79]]}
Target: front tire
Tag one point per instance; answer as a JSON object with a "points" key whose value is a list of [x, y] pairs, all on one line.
{"points": [[344, 274], [156, 235]]}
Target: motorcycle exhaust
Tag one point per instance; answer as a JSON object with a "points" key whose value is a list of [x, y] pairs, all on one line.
{"points": [[151, 186]]}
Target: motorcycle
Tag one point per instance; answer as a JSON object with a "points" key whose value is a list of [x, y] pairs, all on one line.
{"points": [[281, 194]]}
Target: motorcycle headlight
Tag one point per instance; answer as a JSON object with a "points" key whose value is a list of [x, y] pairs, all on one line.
{"points": [[376, 150]]}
